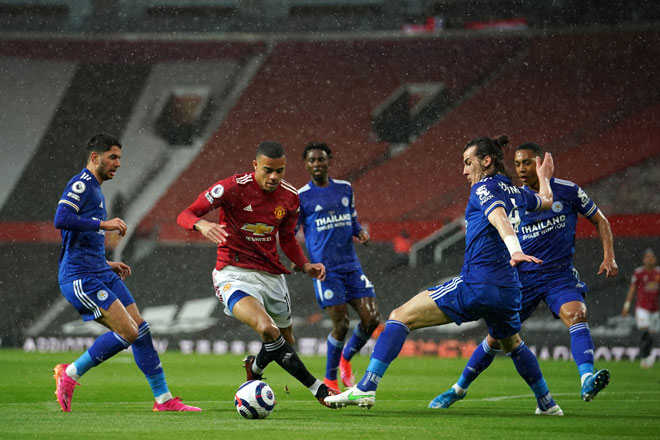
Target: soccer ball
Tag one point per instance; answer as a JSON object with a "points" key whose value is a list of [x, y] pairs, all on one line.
{"points": [[254, 399]]}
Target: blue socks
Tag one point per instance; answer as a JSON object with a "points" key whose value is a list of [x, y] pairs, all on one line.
{"points": [[146, 358], [103, 348], [582, 348], [387, 348], [481, 359], [528, 368], [355, 343], [332, 361]]}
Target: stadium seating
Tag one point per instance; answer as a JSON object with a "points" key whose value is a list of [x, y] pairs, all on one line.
{"points": [[326, 91], [560, 86]]}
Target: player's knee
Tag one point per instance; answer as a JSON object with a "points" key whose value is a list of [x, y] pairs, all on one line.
{"points": [[575, 316], [400, 314], [267, 330], [130, 334], [340, 327], [371, 323]]}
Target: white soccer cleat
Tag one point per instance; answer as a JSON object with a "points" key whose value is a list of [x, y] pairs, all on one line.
{"points": [[552, 411], [353, 396]]}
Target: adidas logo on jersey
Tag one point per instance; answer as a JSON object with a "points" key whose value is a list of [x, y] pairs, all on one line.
{"points": [[318, 208], [248, 208]]}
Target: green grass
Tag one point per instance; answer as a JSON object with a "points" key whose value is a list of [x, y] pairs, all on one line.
{"points": [[114, 401]]}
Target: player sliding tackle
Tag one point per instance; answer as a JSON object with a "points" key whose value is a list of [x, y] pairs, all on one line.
{"points": [[488, 285]]}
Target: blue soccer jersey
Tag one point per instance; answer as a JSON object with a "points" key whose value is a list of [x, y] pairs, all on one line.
{"points": [[486, 255], [83, 251], [550, 235], [329, 220]]}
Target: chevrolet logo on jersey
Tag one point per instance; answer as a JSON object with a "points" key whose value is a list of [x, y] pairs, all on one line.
{"points": [[258, 229]]}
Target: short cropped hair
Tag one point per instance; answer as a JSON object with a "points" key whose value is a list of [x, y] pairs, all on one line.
{"points": [[102, 142], [534, 148], [317, 146], [270, 149]]}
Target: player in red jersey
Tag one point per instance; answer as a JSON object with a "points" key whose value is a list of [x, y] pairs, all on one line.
{"points": [[254, 209], [646, 284]]}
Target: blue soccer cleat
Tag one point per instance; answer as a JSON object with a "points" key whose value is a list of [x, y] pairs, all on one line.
{"points": [[446, 399], [594, 384]]}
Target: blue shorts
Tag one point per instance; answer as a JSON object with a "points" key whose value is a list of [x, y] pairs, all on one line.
{"points": [[341, 287], [498, 306], [91, 294], [555, 288]]}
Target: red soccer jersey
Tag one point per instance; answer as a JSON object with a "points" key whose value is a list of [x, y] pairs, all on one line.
{"points": [[254, 218], [647, 285]]}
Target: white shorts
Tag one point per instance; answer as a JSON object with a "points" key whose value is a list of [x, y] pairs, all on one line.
{"points": [[269, 289], [647, 319]]}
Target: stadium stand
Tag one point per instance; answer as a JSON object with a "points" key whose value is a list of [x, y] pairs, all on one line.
{"points": [[581, 74], [336, 85]]}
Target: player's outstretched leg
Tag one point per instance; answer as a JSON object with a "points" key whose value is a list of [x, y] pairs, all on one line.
{"points": [[594, 384], [387, 348], [147, 359], [64, 387], [528, 368], [67, 375], [287, 358], [481, 359]]}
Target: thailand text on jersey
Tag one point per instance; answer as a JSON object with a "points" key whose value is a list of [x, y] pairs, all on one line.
{"points": [[253, 219], [329, 220], [486, 255], [83, 252], [550, 235], [647, 285]]}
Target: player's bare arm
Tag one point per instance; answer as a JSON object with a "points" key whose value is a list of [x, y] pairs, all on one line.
{"points": [[116, 224], [212, 231], [120, 268], [608, 266], [499, 219]]}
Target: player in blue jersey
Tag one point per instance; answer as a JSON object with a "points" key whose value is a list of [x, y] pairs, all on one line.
{"points": [[94, 286], [550, 235], [329, 220], [488, 285]]}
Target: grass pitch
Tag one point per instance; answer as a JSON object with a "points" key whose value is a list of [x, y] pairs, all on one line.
{"points": [[114, 401]]}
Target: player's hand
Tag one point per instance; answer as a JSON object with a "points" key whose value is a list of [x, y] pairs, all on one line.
{"points": [[545, 169], [212, 231], [116, 224], [314, 270], [121, 269], [609, 267], [624, 312], [519, 257], [363, 237]]}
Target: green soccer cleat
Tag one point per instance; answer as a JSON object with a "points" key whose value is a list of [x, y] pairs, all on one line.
{"points": [[353, 396]]}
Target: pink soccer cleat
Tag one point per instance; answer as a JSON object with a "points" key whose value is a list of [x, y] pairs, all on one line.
{"points": [[331, 383], [64, 387], [174, 404], [346, 373]]}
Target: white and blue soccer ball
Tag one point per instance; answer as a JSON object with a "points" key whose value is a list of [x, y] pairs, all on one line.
{"points": [[254, 399]]}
